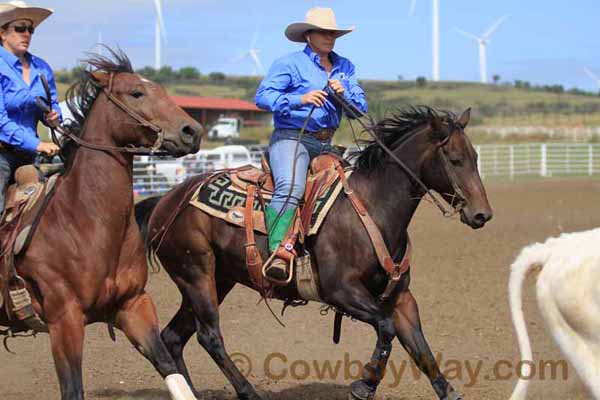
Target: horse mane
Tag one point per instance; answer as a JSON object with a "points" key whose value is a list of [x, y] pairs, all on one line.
{"points": [[81, 95], [389, 130]]}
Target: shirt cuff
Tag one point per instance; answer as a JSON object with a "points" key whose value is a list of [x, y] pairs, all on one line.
{"points": [[295, 101], [30, 143]]}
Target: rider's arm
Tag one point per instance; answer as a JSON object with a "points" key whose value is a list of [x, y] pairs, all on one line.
{"points": [[353, 92], [11, 133], [273, 93]]}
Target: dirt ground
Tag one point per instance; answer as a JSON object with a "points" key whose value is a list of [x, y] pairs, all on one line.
{"points": [[459, 279]]}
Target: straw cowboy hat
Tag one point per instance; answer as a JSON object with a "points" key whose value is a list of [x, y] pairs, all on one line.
{"points": [[316, 18], [14, 10]]}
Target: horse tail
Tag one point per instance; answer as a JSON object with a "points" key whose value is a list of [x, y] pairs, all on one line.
{"points": [[143, 211], [530, 259]]}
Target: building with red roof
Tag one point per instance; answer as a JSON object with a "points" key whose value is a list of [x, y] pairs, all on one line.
{"points": [[207, 110]]}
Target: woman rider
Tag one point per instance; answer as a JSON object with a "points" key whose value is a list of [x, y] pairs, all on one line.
{"points": [[20, 82], [292, 88]]}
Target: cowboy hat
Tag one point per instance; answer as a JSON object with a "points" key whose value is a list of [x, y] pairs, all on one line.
{"points": [[316, 18], [14, 10]]}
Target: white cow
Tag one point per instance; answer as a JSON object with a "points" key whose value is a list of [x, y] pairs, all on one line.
{"points": [[568, 294]]}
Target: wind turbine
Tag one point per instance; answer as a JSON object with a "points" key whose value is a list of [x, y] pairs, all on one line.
{"points": [[159, 32], [435, 28], [252, 53], [593, 76], [483, 41]]}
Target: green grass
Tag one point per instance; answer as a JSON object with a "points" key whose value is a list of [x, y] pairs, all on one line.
{"points": [[492, 105]]}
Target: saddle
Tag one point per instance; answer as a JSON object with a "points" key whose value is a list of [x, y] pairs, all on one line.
{"points": [[25, 201], [324, 172]]}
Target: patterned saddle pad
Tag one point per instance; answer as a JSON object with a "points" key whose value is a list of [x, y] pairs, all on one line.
{"points": [[220, 198]]}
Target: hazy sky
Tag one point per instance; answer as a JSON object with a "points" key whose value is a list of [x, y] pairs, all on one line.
{"points": [[543, 41]]}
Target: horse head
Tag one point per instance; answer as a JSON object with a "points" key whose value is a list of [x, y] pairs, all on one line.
{"points": [[451, 168], [137, 111]]}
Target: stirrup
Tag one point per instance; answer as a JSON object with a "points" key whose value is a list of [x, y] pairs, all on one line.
{"points": [[267, 264]]}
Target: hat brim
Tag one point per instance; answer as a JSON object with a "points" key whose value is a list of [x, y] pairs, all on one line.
{"points": [[295, 32], [35, 14]]}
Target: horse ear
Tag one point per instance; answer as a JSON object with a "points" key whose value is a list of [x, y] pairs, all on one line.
{"points": [[465, 118], [101, 78], [436, 123]]}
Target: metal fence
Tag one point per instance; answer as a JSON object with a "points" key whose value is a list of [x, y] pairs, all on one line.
{"points": [[539, 159], [153, 175]]}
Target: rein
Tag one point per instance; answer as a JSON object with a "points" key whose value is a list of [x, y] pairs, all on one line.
{"points": [[357, 114], [130, 149]]}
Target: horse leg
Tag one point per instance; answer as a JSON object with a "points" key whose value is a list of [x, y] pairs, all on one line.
{"points": [[205, 303], [357, 302], [182, 326], [137, 319], [66, 339], [410, 334]]}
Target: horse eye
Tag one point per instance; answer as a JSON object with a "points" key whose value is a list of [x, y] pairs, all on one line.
{"points": [[456, 163], [137, 94]]}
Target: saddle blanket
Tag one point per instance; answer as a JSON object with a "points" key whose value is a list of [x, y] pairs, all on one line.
{"points": [[221, 199]]}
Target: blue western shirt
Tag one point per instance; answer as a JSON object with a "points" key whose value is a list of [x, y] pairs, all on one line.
{"points": [[297, 73], [19, 113]]}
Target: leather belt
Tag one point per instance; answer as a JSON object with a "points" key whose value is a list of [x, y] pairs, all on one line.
{"points": [[323, 135]]}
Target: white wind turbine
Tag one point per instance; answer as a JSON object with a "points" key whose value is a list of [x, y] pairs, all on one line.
{"points": [[593, 76], [252, 53], [483, 41], [159, 32], [435, 27]]}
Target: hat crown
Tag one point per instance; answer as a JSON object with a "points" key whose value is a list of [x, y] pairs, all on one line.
{"points": [[321, 16], [17, 3]]}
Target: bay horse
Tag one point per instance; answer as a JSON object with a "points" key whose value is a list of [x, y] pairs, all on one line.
{"points": [[205, 256], [86, 262]]}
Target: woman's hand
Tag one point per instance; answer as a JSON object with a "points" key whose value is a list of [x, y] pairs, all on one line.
{"points": [[336, 86], [52, 119], [315, 97], [47, 148]]}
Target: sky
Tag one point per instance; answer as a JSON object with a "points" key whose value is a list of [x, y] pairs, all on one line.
{"points": [[542, 41]]}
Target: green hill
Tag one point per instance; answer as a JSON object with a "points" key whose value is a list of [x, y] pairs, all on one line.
{"points": [[499, 105]]}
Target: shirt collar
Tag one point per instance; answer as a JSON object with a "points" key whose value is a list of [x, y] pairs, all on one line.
{"points": [[316, 58], [11, 59]]}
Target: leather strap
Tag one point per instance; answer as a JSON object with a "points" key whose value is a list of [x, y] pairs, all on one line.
{"points": [[393, 269], [253, 259]]}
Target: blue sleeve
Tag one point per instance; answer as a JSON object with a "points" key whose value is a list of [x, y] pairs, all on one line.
{"points": [[12, 133], [353, 92], [272, 94]]}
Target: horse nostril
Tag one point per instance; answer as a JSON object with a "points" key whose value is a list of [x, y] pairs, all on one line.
{"points": [[482, 218], [187, 130]]}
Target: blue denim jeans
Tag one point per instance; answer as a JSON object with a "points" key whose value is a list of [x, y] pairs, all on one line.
{"points": [[288, 193], [9, 162]]}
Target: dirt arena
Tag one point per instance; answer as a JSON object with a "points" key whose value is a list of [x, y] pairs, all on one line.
{"points": [[459, 279]]}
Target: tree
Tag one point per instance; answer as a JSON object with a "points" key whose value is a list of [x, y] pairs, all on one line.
{"points": [[421, 81], [496, 78], [189, 73], [216, 76]]}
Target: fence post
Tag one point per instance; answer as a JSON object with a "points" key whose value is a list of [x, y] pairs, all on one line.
{"points": [[590, 159], [511, 161], [478, 151], [543, 160]]}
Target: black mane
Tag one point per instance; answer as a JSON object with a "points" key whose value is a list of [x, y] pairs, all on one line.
{"points": [[81, 95], [390, 130]]}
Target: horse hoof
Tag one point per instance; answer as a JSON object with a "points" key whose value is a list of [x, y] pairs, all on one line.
{"points": [[361, 391], [453, 396]]}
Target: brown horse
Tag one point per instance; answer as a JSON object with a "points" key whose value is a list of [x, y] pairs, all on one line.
{"points": [[86, 261], [205, 256]]}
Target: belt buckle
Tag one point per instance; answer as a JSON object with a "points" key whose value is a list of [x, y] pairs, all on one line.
{"points": [[324, 134]]}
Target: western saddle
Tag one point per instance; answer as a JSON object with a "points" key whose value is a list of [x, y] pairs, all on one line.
{"points": [[25, 201], [324, 171]]}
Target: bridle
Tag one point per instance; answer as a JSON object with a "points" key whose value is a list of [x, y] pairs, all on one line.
{"points": [[129, 149], [458, 201]]}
